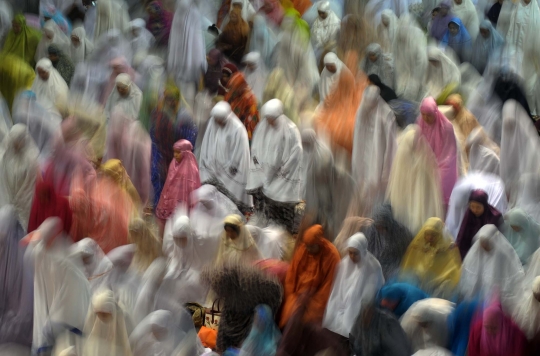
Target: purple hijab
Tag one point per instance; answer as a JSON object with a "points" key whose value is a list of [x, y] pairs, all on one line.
{"points": [[440, 23], [472, 223]]}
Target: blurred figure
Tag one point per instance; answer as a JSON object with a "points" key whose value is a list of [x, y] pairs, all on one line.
{"points": [[141, 39], [255, 73], [110, 14], [459, 325], [386, 30], [233, 39], [263, 39], [491, 263], [325, 29], [457, 38], [236, 244], [526, 313], [378, 63], [227, 71], [52, 34], [354, 36], [433, 260], [439, 24], [19, 170], [49, 86], [159, 21], [90, 256], [105, 327], [488, 44], [522, 232], [480, 213], [331, 74], [264, 335], [398, 297], [273, 11], [216, 62], [47, 203], [81, 47], [276, 195], [118, 65], [147, 298], [466, 12], [494, 333], [147, 245], [442, 75], [224, 157], [243, 102], [126, 97], [358, 278], [482, 153], [49, 12], [277, 87], [312, 271], [22, 40], [530, 196], [17, 76], [61, 62]]}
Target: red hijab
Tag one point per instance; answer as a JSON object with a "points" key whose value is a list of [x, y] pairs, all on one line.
{"points": [[48, 204]]}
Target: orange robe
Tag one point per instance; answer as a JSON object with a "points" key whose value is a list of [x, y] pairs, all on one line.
{"points": [[313, 274]]}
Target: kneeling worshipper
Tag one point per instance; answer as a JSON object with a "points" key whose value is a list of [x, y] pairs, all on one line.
{"points": [[527, 315], [241, 289], [236, 244], [480, 213], [493, 333], [19, 171], [126, 97], [439, 133], [358, 279], [182, 179], [425, 323], [491, 265], [378, 332], [22, 40], [275, 171], [57, 313], [264, 335], [398, 297], [414, 170], [522, 232], [433, 260], [488, 44], [105, 327], [311, 271], [224, 157], [49, 86]]}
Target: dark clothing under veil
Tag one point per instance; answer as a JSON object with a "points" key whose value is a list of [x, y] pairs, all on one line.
{"points": [[64, 65], [213, 73], [378, 332], [471, 223], [166, 129], [507, 87], [494, 12], [240, 289], [404, 294], [388, 239]]}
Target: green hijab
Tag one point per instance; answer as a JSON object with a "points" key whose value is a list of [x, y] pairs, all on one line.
{"points": [[23, 44]]}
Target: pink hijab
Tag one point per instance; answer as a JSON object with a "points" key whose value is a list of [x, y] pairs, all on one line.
{"points": [[495, 334], [273, 11], [441, 139], [182, 179], [118, 66]]}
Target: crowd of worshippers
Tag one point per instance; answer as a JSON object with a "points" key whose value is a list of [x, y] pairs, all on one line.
{"points": [[269, 177]]}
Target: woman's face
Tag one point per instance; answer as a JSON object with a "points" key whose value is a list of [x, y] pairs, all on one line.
{"points": [[430, 237], [313, 249], [372, 56], [171, 102], [49, 34], [476, 208], [385, 20], [515, 228], [485, 245], [323, 15], [178, 156], [458, 2], [16, 27], [231, 233], [43, 74], [180, 241], [122, 89], [428, 118], [484, 32], [453, 28], [389, 304], [443, 11], [354, 255], [331, 67], [225, 76], [211, 61], [75, 41], [104, 317]]}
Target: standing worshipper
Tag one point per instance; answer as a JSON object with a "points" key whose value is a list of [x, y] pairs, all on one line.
{"points": [[22, 40], [236, 244], [187, 54], [182, 179], [216, 62], [495, 334], [439, 133], [263, 40], [522, 232], [243, 102], [48, 203], [126, 97], [51, 35], [466, 12], [141, 39], [224, 158], [378, 63], [358, 279], [374, 145], [228, 69], [110, 14], [491, 265], [442, 75], [19, 170], [273, 11], [49, 86], [325, 29], [159, 21], [312, 271], [488, 44], [233, 40], [255, 74], [49, 12], [480, 213], [61, 62], [330, 75], [275, 169], [118, 65], [386, 30], [439, 26], [433, 260], [457, 38], [81, 47]]}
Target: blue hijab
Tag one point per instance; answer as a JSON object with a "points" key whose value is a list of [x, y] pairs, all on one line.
{"points": [[403, 293], [459, 325], [49, 11], [264, 336], [461, 43]]}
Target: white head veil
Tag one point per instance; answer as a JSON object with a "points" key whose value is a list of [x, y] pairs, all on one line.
{"points": [[324, 32], [141, 42], [110, 14], [80, 53], [130, 105], [527, 313], [468, 15], [386, 30], [441, 74], [256, 77], [58, 37], [329, 79], [483, 153], [52, 91], [355, 285]]}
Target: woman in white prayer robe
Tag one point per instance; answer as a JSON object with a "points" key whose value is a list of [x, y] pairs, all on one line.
{"points": [[19, 169], [224, 157], [110, 14], [105, 327], [386, 30], [61, 290], [330, 75], [529, 200], [275, 169], [126, 96], [465, 10], [482, 152], [324, 29], [270, 241], [442, 72], [141, 39], [236, 244], [49, 86], [91, 258], [414, 170], [527, 312], [358, 279], [263, 40], [425, 323], [519, 148], [374, 145], [80, 46], [459, 199], [52, 34], [147, 295], [378, 63], [255, 74], [491, 265]]}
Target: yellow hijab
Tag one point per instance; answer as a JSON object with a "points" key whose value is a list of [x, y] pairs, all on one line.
{"points": [[436, 264], [114, 169]]}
